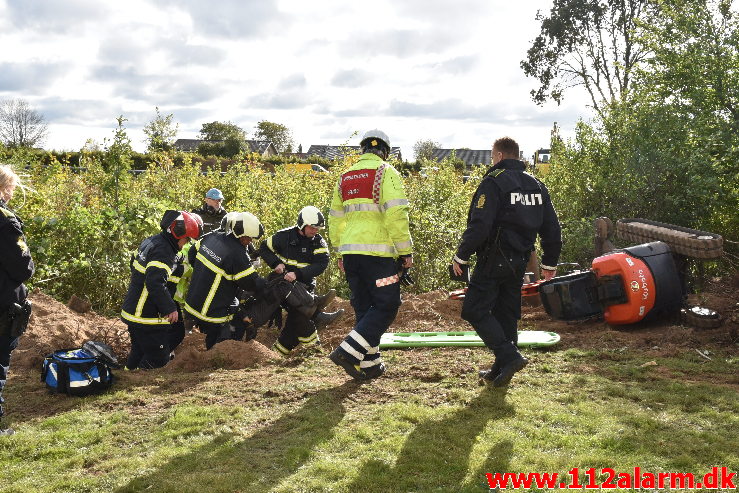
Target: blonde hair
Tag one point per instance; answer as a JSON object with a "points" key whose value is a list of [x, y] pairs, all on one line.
{"points": [[8, 177]]}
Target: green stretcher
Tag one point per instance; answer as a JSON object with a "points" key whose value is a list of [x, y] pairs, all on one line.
{"points": [[396, 340]]}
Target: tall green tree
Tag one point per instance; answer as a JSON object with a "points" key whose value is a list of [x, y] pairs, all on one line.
{"points": [[224, 139], [161, 132], [277, 133], [424, 149], [588, 43]]}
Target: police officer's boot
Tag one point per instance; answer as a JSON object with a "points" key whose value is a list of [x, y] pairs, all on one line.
{"points": [[511, 362], [323, 300], [323, 319], [493, 372]]}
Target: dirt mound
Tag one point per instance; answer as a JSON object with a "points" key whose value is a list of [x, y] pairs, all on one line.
{"points": [[55, 326], [231, 355]]}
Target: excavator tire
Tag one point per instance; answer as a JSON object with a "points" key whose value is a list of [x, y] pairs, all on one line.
{"points": [[688, 242]]}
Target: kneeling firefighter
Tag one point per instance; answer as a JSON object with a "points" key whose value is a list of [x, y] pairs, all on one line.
{"points": [[16, 267], [298, 255], [149, 309]]}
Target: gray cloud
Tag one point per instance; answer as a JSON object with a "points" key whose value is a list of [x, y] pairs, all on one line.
{"points": [[184, 54], [351, 78], [398, 43], [55, 17], [73, 111], [454, 66], [296, 81], [233, 18], [29, 78], [156, 89], [279, 101]]}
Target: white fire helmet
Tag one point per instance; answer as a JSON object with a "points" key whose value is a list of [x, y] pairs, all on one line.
{"points": [[244, 224], [311, 216]]}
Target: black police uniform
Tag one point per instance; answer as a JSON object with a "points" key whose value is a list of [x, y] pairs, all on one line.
{"points": [[307, 258], [221, 265], [211, 217], [16, 266], [508, 210], [155, 269]]}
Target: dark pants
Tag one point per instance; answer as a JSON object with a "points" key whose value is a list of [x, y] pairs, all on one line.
{"points": [[375, 298], [298, 329], [150, 346], [7, 345], [215, 332], [492, 304]]}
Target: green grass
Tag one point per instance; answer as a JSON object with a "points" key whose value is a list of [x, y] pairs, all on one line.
{"points": [[428, 426]]}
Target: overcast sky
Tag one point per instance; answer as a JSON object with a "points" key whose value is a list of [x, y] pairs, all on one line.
{"points": [[417, 69]]}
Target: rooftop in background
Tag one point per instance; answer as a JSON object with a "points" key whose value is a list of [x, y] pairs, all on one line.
{"points": [[338, 152], [469, 156]]}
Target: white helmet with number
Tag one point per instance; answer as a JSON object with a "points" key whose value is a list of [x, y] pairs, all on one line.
{"points": [[244, 224], [311, 216]]}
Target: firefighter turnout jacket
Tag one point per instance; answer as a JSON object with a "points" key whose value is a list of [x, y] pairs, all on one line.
{"points": [[369, 211], [154, 270], [508, 210], [306, 257], [221, 265], [16, 264]]}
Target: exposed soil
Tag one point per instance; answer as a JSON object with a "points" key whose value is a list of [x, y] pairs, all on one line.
{"points": [[55, 326]]}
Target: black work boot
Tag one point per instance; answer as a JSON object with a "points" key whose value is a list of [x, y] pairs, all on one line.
{"points": [[510, 369], [374, 371], [338, 357], [323, 319], [322, 301], [493, 372]]}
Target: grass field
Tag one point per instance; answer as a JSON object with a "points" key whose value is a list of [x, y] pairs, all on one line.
{"points": [[302, 425]]}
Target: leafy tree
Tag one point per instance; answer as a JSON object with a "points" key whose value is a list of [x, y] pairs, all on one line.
{"points": [[424, 149], [277, 133], [224, 139], [160, 132], [589, 43], [118, 160], [21, 125]]}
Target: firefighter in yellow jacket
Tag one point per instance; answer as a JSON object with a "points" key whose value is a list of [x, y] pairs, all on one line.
{"points": [[368, 225]]}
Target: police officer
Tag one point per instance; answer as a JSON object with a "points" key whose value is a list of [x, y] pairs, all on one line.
{"points": [[211, 211], [16, 266], [300, 254], [149, 309], [221, 265], [369, 226], [508, 210]]}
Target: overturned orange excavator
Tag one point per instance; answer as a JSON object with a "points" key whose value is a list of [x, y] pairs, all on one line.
{"points": [[628, 285]]}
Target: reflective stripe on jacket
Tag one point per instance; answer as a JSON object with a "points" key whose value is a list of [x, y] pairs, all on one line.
{"points": [[220, 265], [307, 257], [369, 211], [149, 299]]}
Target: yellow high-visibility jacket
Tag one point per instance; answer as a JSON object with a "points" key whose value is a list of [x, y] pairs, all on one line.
{"points": [[369, 211]]}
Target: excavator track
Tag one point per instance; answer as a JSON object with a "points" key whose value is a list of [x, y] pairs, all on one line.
{"points": [[688, 242]]}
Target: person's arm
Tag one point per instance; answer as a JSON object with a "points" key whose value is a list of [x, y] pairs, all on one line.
{"points": [[319, 264], [551, 237], [16, 259], [482, 213], [394, 205], [267, 252], [157, 270], [336, 219]]}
